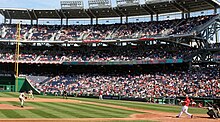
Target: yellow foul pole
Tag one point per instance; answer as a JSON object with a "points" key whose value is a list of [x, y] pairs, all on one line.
{"points": [[18, 37]]}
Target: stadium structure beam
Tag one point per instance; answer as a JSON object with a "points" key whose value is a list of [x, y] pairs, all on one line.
{"points": [[90, 13], [91, 21], [67, 21], [152, 17], [148, 8], [210, 2], [121, 19], [3, 15], [30, 16], [61, 21], [9, 16], [58, 14], [215, 10], [179, 7], [87, 14], [35, 14], [116, 12], [157, 17], [96, 21], [119, 10], [63, 13]]}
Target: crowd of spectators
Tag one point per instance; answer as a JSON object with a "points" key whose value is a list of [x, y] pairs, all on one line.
{"points": [[105, 31], [197, 82], [154, 52], [90, 54]]}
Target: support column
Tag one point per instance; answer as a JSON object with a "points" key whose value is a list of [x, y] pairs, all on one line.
{"points": [[61, 21], [216, 34], [151, 17], [188, 15], [126, 19], [31, 21], [216, 37], [215, 10], [157, 17], [97, 21], [183, 15], [37, 22], [91, 21], [4, 20], [66, 21], [121, 19]]}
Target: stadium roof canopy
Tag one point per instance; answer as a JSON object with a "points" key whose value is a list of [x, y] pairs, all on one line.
{"points": [[151, 7]]}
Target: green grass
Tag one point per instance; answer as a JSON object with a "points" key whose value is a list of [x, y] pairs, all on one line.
{"points": [[82, 110], [142, 105], [60, 110], [8, 94]]}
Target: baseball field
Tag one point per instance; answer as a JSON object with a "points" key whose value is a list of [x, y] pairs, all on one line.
{"points": [[56, 109]]}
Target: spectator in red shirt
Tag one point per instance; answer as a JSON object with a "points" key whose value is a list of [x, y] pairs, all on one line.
{"points": [[185, 108]]}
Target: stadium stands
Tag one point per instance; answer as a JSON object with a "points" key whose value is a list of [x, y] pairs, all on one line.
{"points": [[198, 82], [90, 54], [105, 32]]}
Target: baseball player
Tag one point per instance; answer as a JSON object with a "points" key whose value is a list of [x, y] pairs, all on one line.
{"points": [[64, 94], [22, 98], [30, 94], [213, 111], [185, 108]]}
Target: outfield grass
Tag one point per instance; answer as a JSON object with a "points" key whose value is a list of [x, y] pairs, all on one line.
{"points": [[61, 110], [82, 110], [147, 106]]}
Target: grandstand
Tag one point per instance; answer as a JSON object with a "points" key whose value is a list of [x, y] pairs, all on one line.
{"points": [[138, 60]]}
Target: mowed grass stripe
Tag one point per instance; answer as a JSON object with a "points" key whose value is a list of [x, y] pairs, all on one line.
{"points": [[5, 94], [2, 115], [14, 103], [29, 114], [73, 111], [128, 104], [120, 102], [140, 105], [50, 112], [12, 113], [109, 109], [62, 112], [95, 113], [11, 94], [25, 113], [165, 108], [43, 113]]}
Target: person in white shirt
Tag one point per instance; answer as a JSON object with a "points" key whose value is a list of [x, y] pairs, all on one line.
{"points": [[30, 94], [22, 98]]}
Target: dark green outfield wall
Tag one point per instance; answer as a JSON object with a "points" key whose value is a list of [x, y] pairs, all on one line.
{"points": [[7, 82]]}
